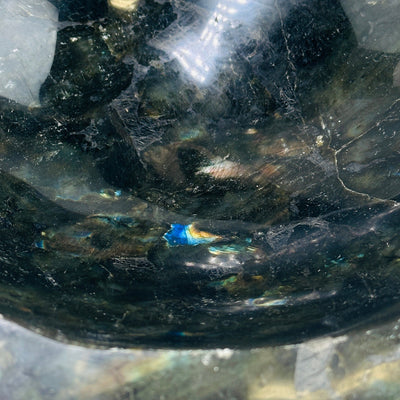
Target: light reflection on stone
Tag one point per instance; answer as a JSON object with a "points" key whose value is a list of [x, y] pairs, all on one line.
{"points": [[200, 56]]}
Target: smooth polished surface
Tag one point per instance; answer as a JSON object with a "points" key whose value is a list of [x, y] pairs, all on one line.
{"points": [[236, 189], [363, 364], [28, 34], [207, 175]]}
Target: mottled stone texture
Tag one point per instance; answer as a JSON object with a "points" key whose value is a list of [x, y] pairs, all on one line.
{"points": [[362, 365], [281, 171]]}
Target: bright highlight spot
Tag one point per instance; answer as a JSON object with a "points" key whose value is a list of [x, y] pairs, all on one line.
{"points": [[199, 55]]}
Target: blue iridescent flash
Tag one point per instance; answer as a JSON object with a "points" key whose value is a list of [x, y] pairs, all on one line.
{"points": [[180, 235]]}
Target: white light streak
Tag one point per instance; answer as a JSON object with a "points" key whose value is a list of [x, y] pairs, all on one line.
{"points": [[199, 55]]}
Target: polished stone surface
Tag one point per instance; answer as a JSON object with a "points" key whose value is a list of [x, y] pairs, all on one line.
{"points": [[363, 364], [200, 176], [25, 60]]}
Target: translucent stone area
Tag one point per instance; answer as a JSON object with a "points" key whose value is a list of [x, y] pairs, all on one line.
{"points": [[28, 32], [375, 23], [363, 364]]}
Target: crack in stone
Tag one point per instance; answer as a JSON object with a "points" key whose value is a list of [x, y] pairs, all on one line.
{"points": [[346, 145], [292, 84]]}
